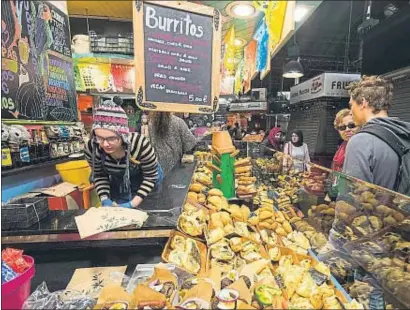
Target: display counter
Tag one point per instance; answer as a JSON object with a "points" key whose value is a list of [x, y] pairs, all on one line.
{"points": [[162, 205], [350, 235]]}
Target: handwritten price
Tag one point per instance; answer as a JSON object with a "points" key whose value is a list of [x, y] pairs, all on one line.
{"points": [[192, 98]]}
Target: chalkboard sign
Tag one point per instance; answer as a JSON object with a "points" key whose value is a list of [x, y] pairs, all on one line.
{"points": [[177, 48], [37, 74]]}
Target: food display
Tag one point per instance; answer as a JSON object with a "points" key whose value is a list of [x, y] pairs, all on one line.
{"points": [[262, 245], [203, 156], [185, 252], [322, 216]]}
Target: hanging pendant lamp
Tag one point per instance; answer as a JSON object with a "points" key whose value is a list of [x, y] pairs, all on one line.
{"points": [[293, 70]]}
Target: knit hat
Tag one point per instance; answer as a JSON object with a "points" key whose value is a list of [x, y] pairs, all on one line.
{"points": [[109, 115]]}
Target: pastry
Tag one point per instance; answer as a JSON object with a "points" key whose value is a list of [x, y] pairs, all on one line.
{"points": [[216, 235], [192, 258], [196, 187], [190, 225], [215, 192], [176, 257], [274, 254], [236, 244], [178, 243], [221, 250]]}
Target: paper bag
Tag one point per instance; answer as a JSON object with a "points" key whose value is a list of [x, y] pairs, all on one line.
{"points": [[244, 292], [97, 220], [143, 296], [113, 296], [91, 281]]}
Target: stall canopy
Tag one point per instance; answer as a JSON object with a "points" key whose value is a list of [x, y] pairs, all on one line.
{"points": [[324, 85]]}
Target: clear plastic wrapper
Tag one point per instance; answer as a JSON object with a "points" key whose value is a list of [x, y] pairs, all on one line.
{"points": [[7, 274], [144, 271], [42, 298]]}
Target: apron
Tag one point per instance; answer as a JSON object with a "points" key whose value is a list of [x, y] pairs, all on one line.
{"points": [[117, 190]]}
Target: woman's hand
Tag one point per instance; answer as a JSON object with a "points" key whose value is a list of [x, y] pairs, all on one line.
{"points": [[136, 201], [127, 205], [132, 204]]}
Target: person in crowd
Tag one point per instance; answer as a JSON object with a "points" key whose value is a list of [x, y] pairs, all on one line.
{"points": [[272, 140], [144, 126], [171, 138], [346, 127], [124, 165], [371, 154], [236, 132], [298, 151]]}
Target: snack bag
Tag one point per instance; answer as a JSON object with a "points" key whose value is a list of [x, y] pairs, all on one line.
{"points": [[7, 274], [14, 258], [113, 296]]}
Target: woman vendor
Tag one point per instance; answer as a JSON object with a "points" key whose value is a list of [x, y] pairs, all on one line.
{"points": [[124, 165]]}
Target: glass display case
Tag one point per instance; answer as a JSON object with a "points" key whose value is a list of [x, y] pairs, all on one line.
{"points": [[361, 231]]}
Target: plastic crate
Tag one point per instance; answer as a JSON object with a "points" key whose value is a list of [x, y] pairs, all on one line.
{"points": [[23, 213]]}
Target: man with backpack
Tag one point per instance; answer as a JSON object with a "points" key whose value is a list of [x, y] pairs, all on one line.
{"points": [[380, 152]]}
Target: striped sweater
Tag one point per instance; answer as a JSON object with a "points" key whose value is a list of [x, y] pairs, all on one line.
{"points": [[141, 150]]}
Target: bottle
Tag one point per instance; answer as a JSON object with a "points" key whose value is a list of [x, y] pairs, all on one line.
{"points": [[32, 148], [25, 153], [6, 162], [15, 155], [46, 145], [38, 146]]}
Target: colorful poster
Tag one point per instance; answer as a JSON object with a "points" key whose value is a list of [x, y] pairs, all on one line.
{"points": [[239, 77], [96, 76], [262, 38], [229, 52], [275, 17], [123, 77], [37, 74], [250, 65]]}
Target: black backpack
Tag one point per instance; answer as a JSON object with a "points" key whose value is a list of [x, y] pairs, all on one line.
{"points": [[398, 144]]}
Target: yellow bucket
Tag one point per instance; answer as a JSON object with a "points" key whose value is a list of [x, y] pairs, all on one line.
{"points": [[76, 172]]}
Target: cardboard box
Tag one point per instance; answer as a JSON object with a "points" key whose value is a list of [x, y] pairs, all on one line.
{"points": [[64, 196]]}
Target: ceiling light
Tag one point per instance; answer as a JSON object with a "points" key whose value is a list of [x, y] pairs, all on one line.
{"points": [[300, 12], [239, 42], [293, 70], [241, 9]]}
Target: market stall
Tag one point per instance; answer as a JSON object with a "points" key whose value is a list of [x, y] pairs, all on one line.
{"points": [[278, 242]]}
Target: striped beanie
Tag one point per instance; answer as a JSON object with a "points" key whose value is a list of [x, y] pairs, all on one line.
{"points": [[108, 115]]}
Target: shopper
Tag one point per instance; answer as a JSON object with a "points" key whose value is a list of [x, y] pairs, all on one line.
{"points": [[124, 165], [144, 126], [298, 151], [171, 138], [372, 154], [272, 141], [346, 127], [236, 132]]}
